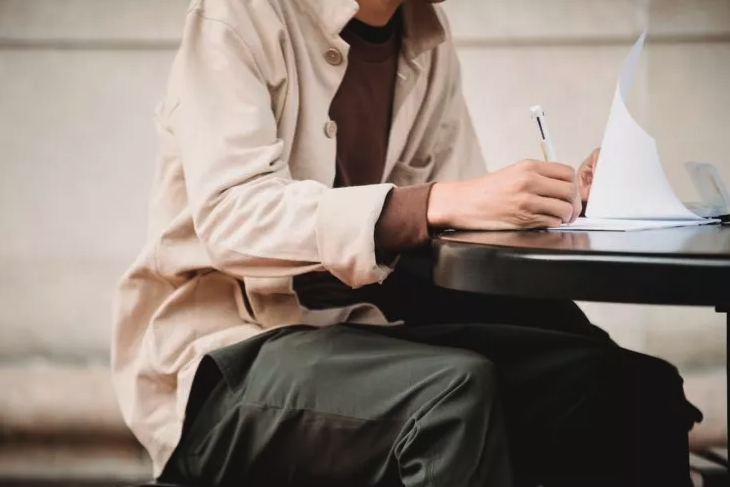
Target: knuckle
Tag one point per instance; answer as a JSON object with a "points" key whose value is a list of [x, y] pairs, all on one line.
{"points": [[527, 165], [524, 220], [523, 182], [524, 203], [531, 165]]}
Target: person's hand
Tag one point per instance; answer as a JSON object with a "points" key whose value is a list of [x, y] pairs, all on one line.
{"points": [[586, 173], [528, 194]]}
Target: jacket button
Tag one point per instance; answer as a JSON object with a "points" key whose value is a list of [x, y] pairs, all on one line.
{"points": [[333, 56], [330, 129]]}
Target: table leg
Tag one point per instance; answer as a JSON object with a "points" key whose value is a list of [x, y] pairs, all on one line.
{"points": [[726, 309]]}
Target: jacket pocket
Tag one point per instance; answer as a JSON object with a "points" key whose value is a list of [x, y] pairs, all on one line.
{"points": [[417, 172]]}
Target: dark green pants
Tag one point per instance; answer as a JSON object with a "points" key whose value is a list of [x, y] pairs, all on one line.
{"points": [[449, 400]]}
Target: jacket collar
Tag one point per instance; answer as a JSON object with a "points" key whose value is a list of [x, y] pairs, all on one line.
{"points": [[422, 29]]}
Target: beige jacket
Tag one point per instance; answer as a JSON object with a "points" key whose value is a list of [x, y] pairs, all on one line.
{"points": [[243, 189]]}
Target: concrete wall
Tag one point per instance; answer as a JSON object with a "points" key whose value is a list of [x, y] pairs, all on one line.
{"points": [[79, 79]]}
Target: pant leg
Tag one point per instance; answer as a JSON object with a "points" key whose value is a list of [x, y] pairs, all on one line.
{"points": [[581, 411], [641, 394], [354, 406]]}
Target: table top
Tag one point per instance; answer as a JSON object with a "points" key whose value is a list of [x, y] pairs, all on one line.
{"points": [[683, 266]]}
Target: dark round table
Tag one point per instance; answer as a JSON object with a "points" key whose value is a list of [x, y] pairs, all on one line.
{"points": [[677, 266]]}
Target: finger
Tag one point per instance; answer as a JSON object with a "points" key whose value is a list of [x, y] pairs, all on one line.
{"points": [[589, 165], [587, 173], [586, 181], [588, 168], [554, 188], [551, 207], [543, 221], [555, 170], [594, 157], [577, 205]]}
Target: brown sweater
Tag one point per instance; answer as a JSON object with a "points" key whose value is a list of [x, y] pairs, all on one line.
{"points": [[362, 109]]}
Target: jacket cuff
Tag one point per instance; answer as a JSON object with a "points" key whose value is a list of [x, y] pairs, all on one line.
{"points": [[346, 219]]}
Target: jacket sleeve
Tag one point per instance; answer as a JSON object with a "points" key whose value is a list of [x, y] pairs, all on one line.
{"points": [[456, 151], [252, 218]]}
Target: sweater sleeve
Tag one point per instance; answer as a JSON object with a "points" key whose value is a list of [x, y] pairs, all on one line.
{"points": [[402, 225]]}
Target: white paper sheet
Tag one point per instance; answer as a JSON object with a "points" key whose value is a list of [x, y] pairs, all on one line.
{"points": [[623, 225], [630, 190]]}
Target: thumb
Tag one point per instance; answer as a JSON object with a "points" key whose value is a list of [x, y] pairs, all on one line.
{"points": [[593, 159]]}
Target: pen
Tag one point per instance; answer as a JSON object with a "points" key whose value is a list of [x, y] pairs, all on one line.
{"points": [[546, 142]]}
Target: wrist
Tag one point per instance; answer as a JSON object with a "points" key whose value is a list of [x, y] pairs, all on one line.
{"points": [[439, 212]]}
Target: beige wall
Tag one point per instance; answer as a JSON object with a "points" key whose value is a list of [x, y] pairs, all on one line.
{"points": [[79, 79]]}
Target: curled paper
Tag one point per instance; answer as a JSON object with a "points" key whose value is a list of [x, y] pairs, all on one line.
{"points": [[630, 190]]}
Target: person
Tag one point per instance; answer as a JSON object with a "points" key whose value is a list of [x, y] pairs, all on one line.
{"points": [[265, 335]]}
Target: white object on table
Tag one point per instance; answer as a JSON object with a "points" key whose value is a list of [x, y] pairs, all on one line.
{"points": [[625, 225], [630, 190], [714, 193]]}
